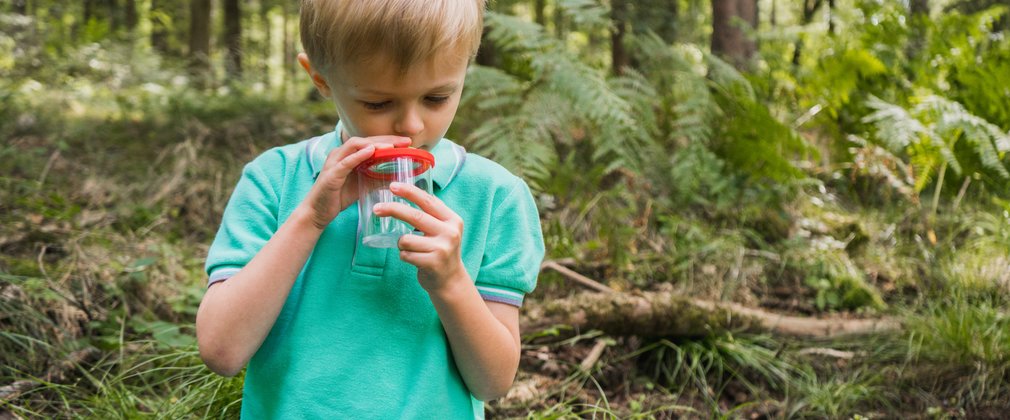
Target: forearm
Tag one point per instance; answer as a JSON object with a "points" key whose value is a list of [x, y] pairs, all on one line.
{"points": [[236, 315], [486, 351]]}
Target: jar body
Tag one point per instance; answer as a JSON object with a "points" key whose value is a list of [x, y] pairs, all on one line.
{"points": [[374, 178]]}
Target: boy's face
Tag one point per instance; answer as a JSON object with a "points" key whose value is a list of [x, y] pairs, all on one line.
{"points": [[374, 98]]}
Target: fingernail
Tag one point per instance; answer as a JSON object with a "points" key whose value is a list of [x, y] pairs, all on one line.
{"points": [[395, 185]]}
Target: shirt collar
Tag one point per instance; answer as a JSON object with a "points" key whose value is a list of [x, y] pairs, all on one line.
{"points": [[449, 156]]}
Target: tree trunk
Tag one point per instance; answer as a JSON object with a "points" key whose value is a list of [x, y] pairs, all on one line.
{"points": [[21, 7], [159, 32], [728, 38], [773, 19], [919, 15], [809, 8], [487, 54], [267, 40], [667, 314], [748, 10], [831, 17], [668, 30], [131, 15], [89, 11], [538, 12], [199, 40], [560, 31], [233, 37], [114, 21], [619, 20]]}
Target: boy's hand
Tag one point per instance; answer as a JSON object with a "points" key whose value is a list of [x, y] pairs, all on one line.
{"points": [[436, 254], [336, 186]]}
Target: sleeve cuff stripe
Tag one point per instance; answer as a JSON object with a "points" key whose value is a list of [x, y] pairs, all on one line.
{"points": [[222, 274], [502, 299], [484, 290]]}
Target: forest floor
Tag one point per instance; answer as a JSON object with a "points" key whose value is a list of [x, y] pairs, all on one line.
{"points": [[106, 219]]}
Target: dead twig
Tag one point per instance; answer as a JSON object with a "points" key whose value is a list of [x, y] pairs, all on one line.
{"points": [[594, 355], [576, 277]]}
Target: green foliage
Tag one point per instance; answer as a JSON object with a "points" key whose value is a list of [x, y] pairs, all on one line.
{"points": [[963, 347], [837, 282], [837, 396], [707, 365], [938, 132]]}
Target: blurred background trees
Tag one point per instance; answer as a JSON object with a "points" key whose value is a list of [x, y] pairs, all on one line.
{"points": [[825, 158]]}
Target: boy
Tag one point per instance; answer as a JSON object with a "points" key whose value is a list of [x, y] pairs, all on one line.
{"points": [[329, 327]]}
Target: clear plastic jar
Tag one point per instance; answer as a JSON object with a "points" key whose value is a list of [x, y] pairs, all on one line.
{"points": [[406, 165]]}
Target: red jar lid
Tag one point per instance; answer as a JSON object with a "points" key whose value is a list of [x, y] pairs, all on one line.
{"points": [[380, 165]]}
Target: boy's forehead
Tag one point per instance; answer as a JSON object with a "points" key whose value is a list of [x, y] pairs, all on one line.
{"points": [[376, 73]]}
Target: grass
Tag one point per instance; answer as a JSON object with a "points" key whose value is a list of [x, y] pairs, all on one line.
{"points": [[107, 210]]}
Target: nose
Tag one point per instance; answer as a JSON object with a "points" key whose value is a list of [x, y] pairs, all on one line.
{"points": [[409, 123]]}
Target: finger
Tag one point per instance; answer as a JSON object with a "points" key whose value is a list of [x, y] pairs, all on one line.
{"points": [[355, 144], [417, 259], [416, 243], [427, 202], [420, 220], [342, 168]]}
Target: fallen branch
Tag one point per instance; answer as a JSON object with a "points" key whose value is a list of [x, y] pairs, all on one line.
{"points": [[594, 355], [664, 314], [821, 351], [55, 373], [576, 277]]}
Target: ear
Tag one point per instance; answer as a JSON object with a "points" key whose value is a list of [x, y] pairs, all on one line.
{"points": [[317, 78]]}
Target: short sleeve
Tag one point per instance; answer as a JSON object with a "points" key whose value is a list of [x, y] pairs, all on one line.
{"points": [[514, 249], [249, 220]]}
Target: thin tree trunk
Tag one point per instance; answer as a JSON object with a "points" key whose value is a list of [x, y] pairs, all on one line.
{"points": [[919, 14], [487, 54], [159, 32], [619, 22], [21, 7], [233, 37], [773, 19], [728, 39], [267, 40], [114, 21], [669, 29], [809, 9], [560, 31], [131, 15], [199, 40], [287, 50], [748, 11], [538, 12], [89, 10], [831, 17]]}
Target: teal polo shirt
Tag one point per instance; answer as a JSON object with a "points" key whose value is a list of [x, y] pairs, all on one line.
{"points": [[358, 337]]}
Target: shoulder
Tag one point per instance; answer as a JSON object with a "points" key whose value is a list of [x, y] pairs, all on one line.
{"points": [[281, 156], [280, 164], [488, 174], [482, 179]]}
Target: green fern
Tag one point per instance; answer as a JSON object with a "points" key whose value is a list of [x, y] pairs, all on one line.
{"points": [[933, 131], [556, 100]]}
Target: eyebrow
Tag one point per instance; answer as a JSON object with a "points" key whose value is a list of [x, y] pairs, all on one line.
{"points": [[450, 87]]}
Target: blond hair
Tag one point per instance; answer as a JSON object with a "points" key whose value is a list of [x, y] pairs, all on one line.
{"points": [[335, 32]]}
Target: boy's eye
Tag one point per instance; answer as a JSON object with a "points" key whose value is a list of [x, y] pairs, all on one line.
{"points": [[375, 105], [436, 99]]}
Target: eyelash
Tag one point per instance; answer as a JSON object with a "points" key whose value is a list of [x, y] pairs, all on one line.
{"points": [[376, 106], [436, 99]]}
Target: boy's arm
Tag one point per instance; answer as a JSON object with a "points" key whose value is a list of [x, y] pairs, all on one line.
{"points": [[484, 336], [236, 315]]}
